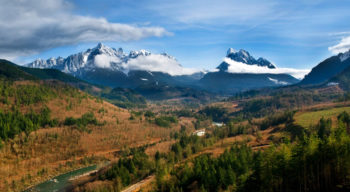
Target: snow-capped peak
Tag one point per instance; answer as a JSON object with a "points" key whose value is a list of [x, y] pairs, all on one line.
{"points": [[244, 53], [230, 51], [169, 56], [109, 58], [344, 56], [142, 52], [244, 57]]}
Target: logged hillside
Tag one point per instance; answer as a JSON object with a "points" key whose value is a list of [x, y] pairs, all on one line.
{"points": [[49, 127]]}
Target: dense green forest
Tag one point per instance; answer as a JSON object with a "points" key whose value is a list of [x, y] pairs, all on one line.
{"points": [[14, 122], [316, 159], [129, 170]]}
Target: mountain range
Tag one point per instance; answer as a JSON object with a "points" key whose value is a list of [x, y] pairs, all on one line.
{"points": [[112, 67]]}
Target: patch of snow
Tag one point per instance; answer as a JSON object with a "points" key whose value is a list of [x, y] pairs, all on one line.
{"points": [[244, 53], [332, 84], [143, 79], [344, 56], [230, 51], [276, 81]]}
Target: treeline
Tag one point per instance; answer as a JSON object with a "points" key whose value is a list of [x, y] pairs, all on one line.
{"points": [[125, 98], [277, 119], [211, 174], [81, 123], [317, 161], [14, 122], [24, 94], [188, 145], [216, 114], [129, 170], [34, 92], [284, 100], [165, 121]]}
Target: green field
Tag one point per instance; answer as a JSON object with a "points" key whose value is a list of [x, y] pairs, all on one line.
{"points": [[308, 118]]}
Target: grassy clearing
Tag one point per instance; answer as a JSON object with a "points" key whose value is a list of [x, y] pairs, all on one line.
{"points": [[308, 118]]}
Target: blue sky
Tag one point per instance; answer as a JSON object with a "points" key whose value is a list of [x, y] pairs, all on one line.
{"points": [[295, 34]]}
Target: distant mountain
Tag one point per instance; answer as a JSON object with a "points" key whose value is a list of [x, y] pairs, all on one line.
{"points": [[146, 72], [327, 69], [227, 81]]}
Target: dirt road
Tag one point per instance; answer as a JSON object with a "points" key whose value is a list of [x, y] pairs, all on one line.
{"points": [[137, 186]]}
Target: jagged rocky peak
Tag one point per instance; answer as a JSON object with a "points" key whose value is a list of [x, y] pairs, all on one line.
{"points": [[231, 51], [103, 49], [102, 56], [142, 52], [245, 57]]}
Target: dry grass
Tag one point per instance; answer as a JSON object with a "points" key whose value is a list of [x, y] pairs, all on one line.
{"points": [[51, 151]]}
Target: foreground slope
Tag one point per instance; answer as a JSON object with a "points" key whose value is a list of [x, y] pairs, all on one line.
{"points": [[49, 127]]}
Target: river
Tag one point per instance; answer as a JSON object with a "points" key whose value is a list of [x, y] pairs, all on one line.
{"points": [[60, 182]]}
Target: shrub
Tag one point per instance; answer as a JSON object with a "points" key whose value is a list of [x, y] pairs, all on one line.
{"points": [[165, 121]]}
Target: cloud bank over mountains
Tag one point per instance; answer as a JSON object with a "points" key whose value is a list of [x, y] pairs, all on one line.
{"points": [[161, 63], [106, 57], [239, 67]]}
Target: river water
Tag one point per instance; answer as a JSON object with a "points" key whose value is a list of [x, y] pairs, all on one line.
{"points": [[60, 182]]}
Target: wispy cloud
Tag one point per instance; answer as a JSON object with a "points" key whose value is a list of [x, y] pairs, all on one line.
{"points": [[342, 46], [31, 26], [239, 67], [208, 11]]}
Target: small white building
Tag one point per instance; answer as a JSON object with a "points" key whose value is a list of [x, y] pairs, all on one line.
{"points": [[199, 133], [218, 124]]}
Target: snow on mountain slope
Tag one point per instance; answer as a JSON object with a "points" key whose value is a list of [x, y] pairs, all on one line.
{"points": [[115, 60], [277, 82], [344, 56]]}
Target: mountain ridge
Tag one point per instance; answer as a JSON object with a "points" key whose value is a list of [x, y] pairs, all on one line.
{"points": [[114, 68], [327, 69]]}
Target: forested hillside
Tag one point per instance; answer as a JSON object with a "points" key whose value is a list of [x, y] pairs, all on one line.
{"points": [[48, 127]]}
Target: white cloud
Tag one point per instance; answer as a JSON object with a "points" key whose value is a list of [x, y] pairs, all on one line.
{"points": [[239, 67], [30, 26], [159, 63], [341, 47], [104, 61]]}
